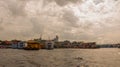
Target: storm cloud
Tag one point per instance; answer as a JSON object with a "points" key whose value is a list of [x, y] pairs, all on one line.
{"points": [[81, 20]]}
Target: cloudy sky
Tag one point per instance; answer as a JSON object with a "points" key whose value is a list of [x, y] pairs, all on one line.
{"points": [[81, 20]]}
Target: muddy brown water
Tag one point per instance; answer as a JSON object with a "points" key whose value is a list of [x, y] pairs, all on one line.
{"points": [[105, 57]]}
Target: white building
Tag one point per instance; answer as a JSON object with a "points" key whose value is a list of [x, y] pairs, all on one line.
{"points": [[49, 44]]}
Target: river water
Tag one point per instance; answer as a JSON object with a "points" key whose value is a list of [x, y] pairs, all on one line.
{"points": [[104, 57]]}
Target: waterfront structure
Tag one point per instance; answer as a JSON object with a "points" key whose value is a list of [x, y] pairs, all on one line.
{"points": [[21, 45], [15, 44], [77, 44], [58, 44], [53, 43], [49, 44], [66, 44], [118, 45], [32, 45], [88, 45], [6, 44]]}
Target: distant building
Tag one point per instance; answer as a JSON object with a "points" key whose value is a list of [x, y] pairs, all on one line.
{"points": [[76, 44], [58, 44], [66, 44], [88, 45], [16, 44], [56, 39], [44, 42], [21, 45], [49, 44]]}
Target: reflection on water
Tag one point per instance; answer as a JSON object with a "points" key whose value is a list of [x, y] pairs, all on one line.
{"points": [[60, 58]]}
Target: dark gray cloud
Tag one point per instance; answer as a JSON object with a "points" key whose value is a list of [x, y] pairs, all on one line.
{"points": [[98, 1], [65, 2]]}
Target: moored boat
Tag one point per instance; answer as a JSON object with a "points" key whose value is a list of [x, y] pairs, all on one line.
{"points": [[32, 45]]}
